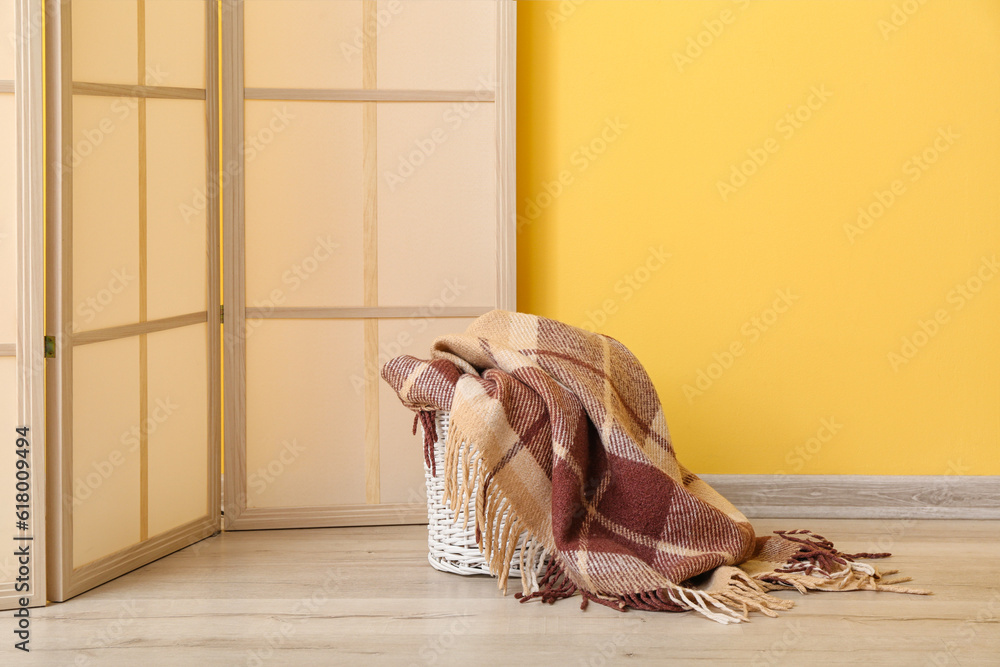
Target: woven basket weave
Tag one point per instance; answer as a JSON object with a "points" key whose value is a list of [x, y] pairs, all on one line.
{"points": [[451, 547]]}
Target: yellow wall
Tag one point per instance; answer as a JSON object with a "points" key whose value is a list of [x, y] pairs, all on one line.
{"points": [[818, 391]]}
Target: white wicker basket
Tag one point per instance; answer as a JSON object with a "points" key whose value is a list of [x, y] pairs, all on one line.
{"points": [[452, 548]]}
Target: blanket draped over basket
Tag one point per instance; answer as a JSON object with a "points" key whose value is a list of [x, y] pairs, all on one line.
{"points": [[561, 434]]}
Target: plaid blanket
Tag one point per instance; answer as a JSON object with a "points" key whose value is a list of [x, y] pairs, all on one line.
{"points": [[561, 435]]}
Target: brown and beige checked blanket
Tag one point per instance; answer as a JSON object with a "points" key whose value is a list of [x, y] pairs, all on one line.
{"points": [[562, 436]]}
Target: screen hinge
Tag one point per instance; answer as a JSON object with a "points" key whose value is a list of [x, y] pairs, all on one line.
{"points": [[222, 314], [50, 347]]}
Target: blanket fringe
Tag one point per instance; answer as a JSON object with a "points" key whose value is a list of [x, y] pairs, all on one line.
{"points": [[533, 561], [818, 565], [459, 461], [730, 596], [725, 602], [426, 420], [851, 578], [815, 565], [499, 532], [818, 553], [553, 585]]}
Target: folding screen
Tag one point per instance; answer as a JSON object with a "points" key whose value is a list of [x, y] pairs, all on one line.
{"points": [[8, 265], [369, 208], [22, 428], [133, 296], [368, 169]]}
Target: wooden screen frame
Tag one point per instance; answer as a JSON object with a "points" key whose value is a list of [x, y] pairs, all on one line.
{"points": [[237, 515], [29, 348], [65, 581]]}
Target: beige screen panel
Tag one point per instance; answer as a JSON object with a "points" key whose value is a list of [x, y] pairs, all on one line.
{"points": [[105, 44], [304, 200], [7, 45], [175, 43], [8, 422], [105, 212], [106, 434], [305, 432], [8, 220], [437, 45], [133, 263], [175, 207], [303, 43], [386, 164], [401, 472], [8, 271], [437, 217], [178, 427]]}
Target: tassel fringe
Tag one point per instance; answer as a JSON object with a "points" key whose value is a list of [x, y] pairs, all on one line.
{"points": [[818, 566], [731, 603], [729, 597], [499, 532], [426, 420]]}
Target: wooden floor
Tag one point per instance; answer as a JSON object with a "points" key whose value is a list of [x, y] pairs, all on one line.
{"points": [[366, 596]]}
